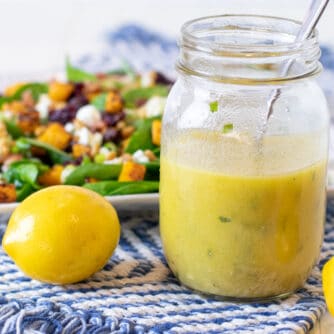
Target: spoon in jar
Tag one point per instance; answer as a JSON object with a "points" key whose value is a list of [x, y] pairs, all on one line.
{"points": [[309, 23]]}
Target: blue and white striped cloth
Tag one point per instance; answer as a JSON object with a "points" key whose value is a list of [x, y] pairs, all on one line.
{"points": [[146, 50], [143, 49], [137, 293]]}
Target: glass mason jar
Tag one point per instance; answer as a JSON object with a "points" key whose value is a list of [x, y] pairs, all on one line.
{"points": [[243, 188]]}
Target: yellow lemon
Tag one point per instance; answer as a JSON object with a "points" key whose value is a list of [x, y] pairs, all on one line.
{"points": [[62, 234], [328, 284]]}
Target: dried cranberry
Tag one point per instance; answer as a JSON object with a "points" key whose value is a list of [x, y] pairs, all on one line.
{"points": [[69, 147], [77, 102], [111, 119], [63, 115], [111, 134], [163, 80], [69, 112], [76, 162], [78, 89]]}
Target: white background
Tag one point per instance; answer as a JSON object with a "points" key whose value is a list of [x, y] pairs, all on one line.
{"points": [[36, 34]]}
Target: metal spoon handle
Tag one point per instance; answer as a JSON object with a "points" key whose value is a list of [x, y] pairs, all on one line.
{"points": [[310, 21]]}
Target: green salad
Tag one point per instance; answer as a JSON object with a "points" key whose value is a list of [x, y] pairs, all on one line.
{"points": [[100, 131]]}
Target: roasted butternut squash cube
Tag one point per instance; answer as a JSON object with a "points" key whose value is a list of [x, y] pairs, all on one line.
{"points": [[56, 135], [14, 106], [7, 193], [79, 150], [51, 177], [132, 171], [156, 132], [114, 102], [60, 91], [12, 89], [5, 143]]}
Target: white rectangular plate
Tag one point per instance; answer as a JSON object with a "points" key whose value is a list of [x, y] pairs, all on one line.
{"points": [[127, 203], [123, 204]]}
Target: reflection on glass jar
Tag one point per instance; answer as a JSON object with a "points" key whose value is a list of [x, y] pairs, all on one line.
{"points": [[243, 195]]}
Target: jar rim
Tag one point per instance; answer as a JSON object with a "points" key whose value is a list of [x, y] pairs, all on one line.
{"points": [[209, 45], [258, 49]]}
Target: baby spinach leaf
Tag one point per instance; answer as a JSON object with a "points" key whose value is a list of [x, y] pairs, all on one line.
{"points": [[94, 170], [111, 188], [25, 172], [99, 101], [132, 96], [24, 191], [156, 151], [141, 139], [28, 173], [56, 155], [5, 99], [125, 69], [22, 147], [12, 128], [75, 74]]}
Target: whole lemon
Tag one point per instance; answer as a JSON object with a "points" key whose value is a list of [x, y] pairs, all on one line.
{"points": [[62, 234], [328, 284]]}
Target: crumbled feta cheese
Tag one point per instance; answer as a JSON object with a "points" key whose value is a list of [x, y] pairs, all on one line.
{"points": [[87, 138], [114, 161], [97, 139], [66, 172], [43, 106], [140, 157], [96, 142], [69, 127], [155, 106], [147, 79], [89, 115], [83, 135]]}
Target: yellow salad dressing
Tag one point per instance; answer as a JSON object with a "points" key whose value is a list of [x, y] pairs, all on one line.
{"points": [[239, 227]]}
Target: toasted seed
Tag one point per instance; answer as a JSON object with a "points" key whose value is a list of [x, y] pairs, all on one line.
{"points": [[111, 155], [150, 155], [120, 125], [127, 131], [27, 99]]}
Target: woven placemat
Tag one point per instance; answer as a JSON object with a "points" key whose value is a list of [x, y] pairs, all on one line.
{"points": [[136, 293]]}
